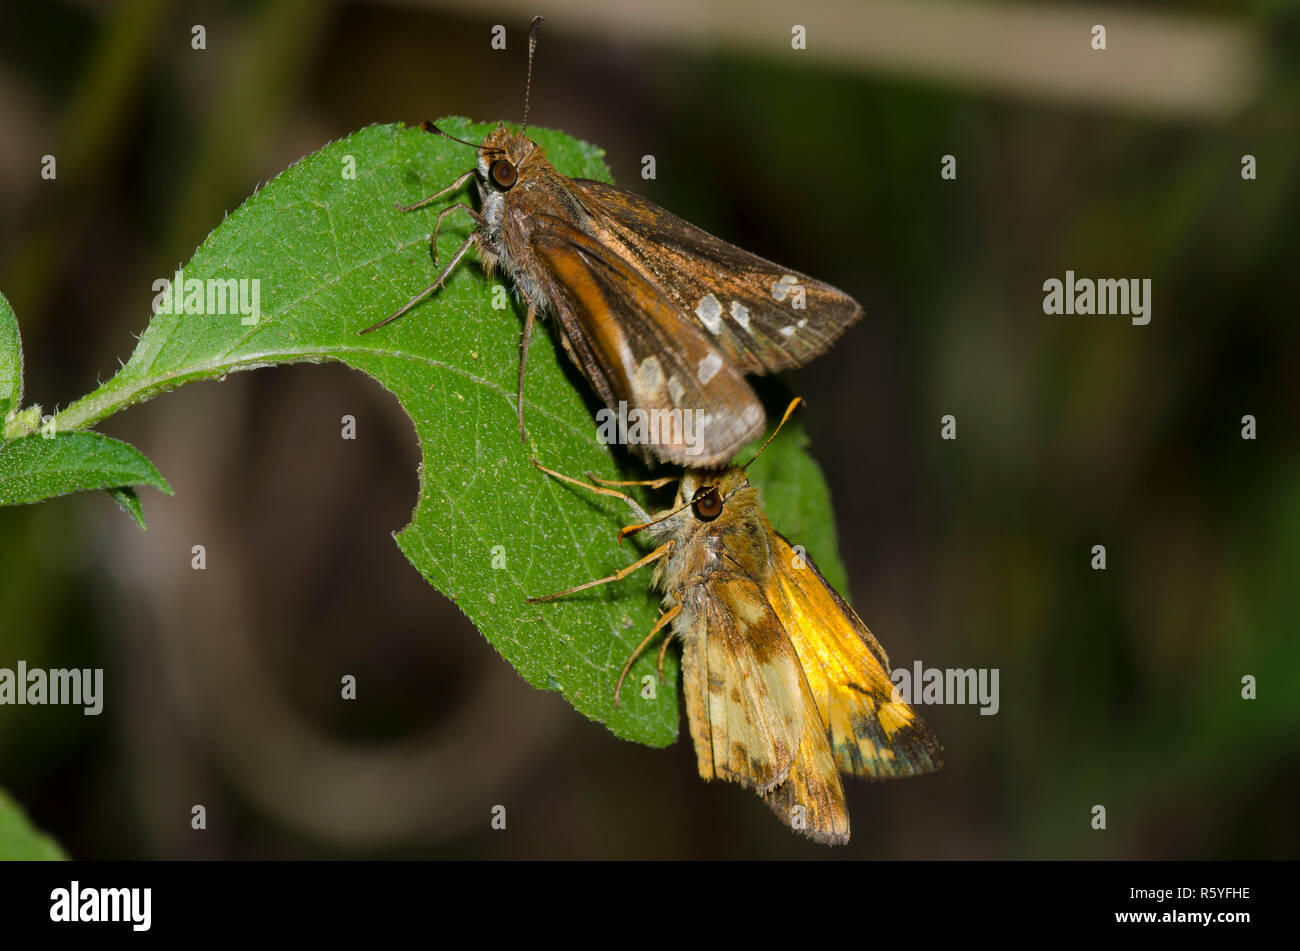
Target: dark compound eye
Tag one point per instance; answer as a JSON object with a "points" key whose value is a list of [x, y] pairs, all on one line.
{"points": [[707, 504], [503, 174]]}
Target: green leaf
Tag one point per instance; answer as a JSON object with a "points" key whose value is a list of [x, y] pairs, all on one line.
{"points": [[797, 500], [19, 841], [129, 502], [40, 467], [333, 256], [33, 472], [11, 363]]}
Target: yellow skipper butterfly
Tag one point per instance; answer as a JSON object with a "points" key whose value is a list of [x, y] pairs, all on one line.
{"points": [[785, 686]]}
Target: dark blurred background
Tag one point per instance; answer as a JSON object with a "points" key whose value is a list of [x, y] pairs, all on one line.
{"points": [[1119, 687]]}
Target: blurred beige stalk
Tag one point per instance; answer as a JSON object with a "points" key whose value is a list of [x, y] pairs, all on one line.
{"points": [[1154, 62]]}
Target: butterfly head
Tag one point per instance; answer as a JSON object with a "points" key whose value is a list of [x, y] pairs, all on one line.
{"points": [[717, 520], [707, 492], [505, 157], [704, 495]]}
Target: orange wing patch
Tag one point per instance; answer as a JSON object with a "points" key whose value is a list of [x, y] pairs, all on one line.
{"points": [[871, 734], [634, 345]]}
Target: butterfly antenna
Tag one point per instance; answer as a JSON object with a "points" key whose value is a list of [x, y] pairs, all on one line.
{"points": [[428, 126], [788, 410], [532, 49]]}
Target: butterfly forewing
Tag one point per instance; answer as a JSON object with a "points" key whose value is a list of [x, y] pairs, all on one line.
{"points": [[871, 733], [634, 345], [762, 316]]}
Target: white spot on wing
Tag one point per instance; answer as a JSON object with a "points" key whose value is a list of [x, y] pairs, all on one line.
{"points": [[709, 367], [676, 390], [649, 376], [710, 313], [788, 330], [781, 287], [740, 314]]}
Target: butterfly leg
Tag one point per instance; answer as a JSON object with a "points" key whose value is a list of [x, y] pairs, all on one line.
{"points": [[663, 649], [455, 186], [523, 362], [437, 225], [652, 483], [640, 512], [446, 272], [619, 575], [659, 626]]}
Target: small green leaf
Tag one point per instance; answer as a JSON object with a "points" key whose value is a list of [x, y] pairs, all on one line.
{"points": [[40, 467], [129, 502], [331, 255], [22, 422], [11, 363], [19, 841]]}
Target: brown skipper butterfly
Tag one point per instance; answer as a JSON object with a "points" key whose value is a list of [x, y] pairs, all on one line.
{"points": [[785, 686], [660, 316]]}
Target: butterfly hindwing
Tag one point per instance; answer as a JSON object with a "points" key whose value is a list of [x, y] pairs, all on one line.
{"points": [[762, 316], [743, 690], [752, 713], [811, 800], [634, 345]]}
